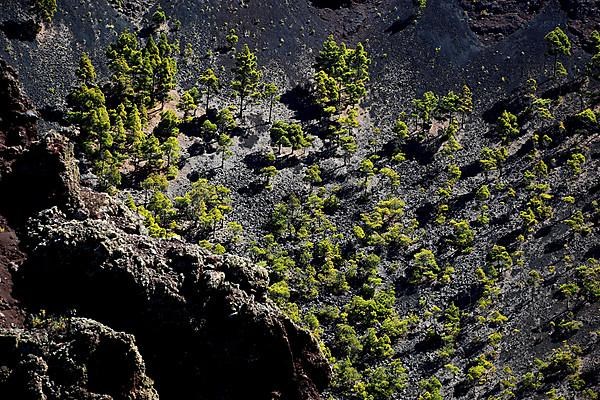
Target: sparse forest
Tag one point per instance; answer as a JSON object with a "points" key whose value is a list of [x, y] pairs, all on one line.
{"points": [[435, 232]]}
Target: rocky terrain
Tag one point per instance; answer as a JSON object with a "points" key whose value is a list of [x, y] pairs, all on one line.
{"points": [[458, 260]]}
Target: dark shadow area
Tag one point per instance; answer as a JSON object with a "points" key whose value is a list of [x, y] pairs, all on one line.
{"points": [[324, 153], [257, 160], [332, 4], [500, 220], [468, 297], [554, 246], [459, 202], [420, 152], [300, 101], [253, 188], [400, 25], [43, 189], [471, 170], [515, 102], [287, 161], [197, 149], [431, 342], [594, 252], [54, 114], [543, 231], [20, 30], [509, 238], [425, 213], [462, 389]]}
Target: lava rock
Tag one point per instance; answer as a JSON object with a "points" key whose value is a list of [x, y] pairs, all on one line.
{"points": [[72, 358]]}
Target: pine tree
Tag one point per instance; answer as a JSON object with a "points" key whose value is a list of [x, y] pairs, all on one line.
{"points": [[165, 78], [327, 92], [101, 129], [507, 125], [125, 61], [86, 71], [349, 121], [348, 68], [298, 139], [349, 146], [270, 92], [358, 74], [187, 103], [45, 9], [289, 135], [594, 65], [225, 142], [210, 81], [465, 106], [367, 169], [246, 76], [400, 129], [312, 175], [206, 205], [208, 130], [159, 17], [449, 103], [424, 109], [171, 150], [119, 134], [332, 58], [106, 168], [231, 38], [225, 120], [154, 183], [168, 125], [558, 44], [279, 135], [268, 173], [135, 138], [152, 153]]}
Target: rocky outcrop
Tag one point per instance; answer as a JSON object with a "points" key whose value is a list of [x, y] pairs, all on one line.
{"points": [[492, 20], [202, 322], [72, 358], [17, 118]]}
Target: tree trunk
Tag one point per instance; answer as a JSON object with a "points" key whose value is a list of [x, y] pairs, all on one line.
{"points": [[207, 99], [270, 109], [241, 108]]}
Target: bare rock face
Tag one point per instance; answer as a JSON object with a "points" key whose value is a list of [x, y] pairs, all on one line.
{"points": [[17, 118], [72, 358]]}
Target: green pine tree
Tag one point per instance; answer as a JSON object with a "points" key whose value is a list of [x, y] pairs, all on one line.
{"points": [[246, 76]]}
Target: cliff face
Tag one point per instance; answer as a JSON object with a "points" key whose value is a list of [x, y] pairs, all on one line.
{"points": [[202, 322]]}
